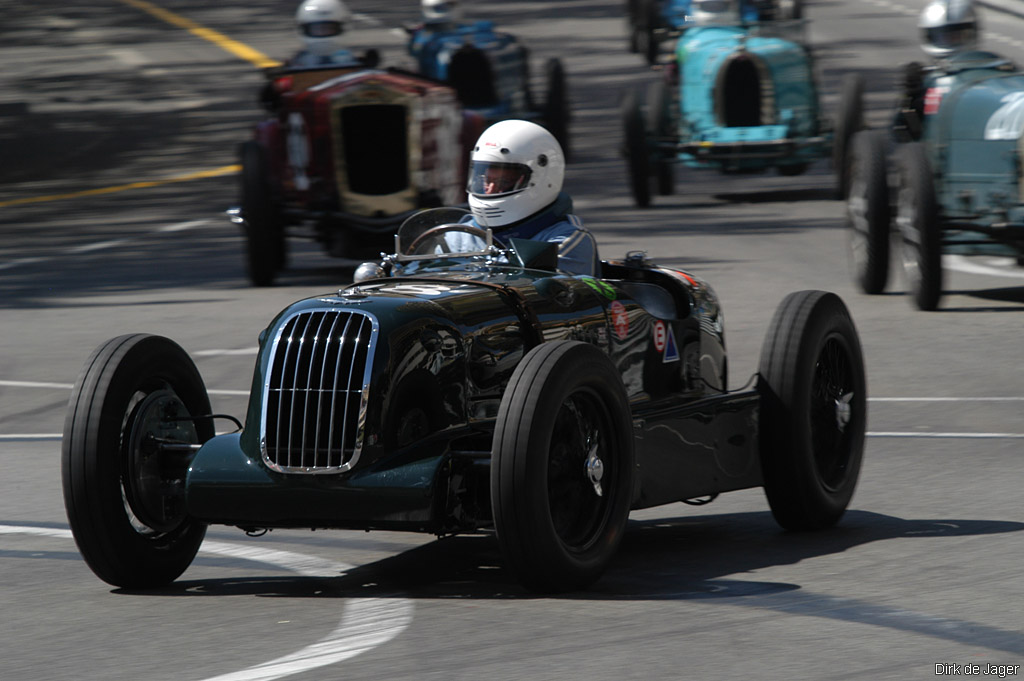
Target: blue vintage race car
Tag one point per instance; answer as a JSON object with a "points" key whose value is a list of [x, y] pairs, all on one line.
{"points": [[652, 22], [737, 99], [462, 386], [956, 139], [490, 71]]}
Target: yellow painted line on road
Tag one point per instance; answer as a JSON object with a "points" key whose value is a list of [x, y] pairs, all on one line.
{"points": [[236, 48], [202, 174]]}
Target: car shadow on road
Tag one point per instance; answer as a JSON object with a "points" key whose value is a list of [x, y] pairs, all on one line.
{"points": [[660, 559]]}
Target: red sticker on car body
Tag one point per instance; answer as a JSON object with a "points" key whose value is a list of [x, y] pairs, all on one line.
{"points": [[620, 320], [659, 335]]}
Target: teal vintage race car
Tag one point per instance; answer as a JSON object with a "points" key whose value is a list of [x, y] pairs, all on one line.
{"points": [[954, 182], [737, 98], [464, 385]]}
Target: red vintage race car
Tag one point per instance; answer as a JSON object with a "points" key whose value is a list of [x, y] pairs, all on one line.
{"points": [[348, 153]]}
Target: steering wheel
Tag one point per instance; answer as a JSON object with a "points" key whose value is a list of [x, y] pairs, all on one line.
{"points": [[441, 229]]}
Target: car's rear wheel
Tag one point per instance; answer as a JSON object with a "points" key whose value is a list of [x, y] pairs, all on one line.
{"points": [[918, 223], [867, 211], [562, 466], [659, 121], [134, 413], [265, 239], [556, 107], [638, 160], [813, 410], [849, 120]]}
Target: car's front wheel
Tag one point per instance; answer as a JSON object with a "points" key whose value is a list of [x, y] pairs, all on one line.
{"points": [[265, 239], [813, 410], [917, 219], [638, 157], [867, 211], [135, 414], [849, 121], [562, 466]]}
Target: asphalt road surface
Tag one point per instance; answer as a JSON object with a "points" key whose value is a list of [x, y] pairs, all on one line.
{"points": [[118, 130]]}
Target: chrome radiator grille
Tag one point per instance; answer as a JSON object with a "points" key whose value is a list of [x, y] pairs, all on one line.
{"points": [[314, 402]]}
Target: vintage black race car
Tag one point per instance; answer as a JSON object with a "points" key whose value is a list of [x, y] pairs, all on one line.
{"points": [[945, 177], [461, 387]]}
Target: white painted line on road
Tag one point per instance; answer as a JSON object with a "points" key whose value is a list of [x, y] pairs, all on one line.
{"points": [[946, 399], [969, 436], [237, 351], [104, 245], [962, 264], [34, 384], [30, 437], [69, 386], [366, 623], [21, 261]]}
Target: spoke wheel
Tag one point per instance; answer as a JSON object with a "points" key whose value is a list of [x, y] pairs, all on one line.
{"points": [[125, 494], [561, 466], [813, 410]]}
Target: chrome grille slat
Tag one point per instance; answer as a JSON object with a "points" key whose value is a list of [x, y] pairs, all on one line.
{"points": [[310, 360]]}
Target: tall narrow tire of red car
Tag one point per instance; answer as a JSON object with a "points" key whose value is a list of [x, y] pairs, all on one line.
{"points": [[660, 122], [813, 410], [651, 19], [849, 120], [557, 113], [123, 494], [867, 211], [562, 467], [265, 241], [635, 150], [919, 226]]}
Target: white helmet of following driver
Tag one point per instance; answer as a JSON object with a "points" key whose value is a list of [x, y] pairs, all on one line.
{"points": [[321, 23], [515, 171], [948, 27]]}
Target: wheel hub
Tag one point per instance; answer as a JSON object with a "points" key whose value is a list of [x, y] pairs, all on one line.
{"points": [[844, 412], [595, 470]]}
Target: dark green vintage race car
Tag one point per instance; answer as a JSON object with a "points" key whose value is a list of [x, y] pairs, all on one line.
{"points": [[466, 386]]}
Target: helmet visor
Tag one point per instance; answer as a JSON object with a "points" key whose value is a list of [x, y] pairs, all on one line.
{"points": [[490, 179], [321, 29], [951, 36]]}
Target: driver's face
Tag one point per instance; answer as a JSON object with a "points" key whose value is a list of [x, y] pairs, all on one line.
{"points": [[499, 180]]}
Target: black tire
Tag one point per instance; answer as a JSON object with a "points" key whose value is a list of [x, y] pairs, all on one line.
{"points": [[659, 121], [631, 25], [650, 19], [849, 121], [867, 211], [564, 420], [125, 500], [793, 169], [265, 240], [918, 223], [556, 106], [813, 410], [638, 160]]}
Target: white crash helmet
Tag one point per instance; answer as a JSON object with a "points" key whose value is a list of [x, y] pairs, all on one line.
{"points": [[321, 23], [441, 11], [516, 170], [948, 26], [706, 12]]}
